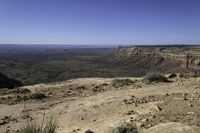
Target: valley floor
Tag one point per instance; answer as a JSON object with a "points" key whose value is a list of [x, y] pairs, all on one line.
{"points": [[97, 105]]}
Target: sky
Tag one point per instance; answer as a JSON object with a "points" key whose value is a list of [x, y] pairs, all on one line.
{"points": [[100, 21]]}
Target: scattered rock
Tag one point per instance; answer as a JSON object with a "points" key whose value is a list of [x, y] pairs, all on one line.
{"points": [[131, 112], [190, 113], [185, 96], [81, 88], [96, 88], [191, 105], [172, 75], [3, 122], [6, 120], [144, 120], [89, 131], [140, 124], [27, 117], [158, 108]]}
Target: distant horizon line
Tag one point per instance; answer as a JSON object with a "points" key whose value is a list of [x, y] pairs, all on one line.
{"points": [[136, 44]]}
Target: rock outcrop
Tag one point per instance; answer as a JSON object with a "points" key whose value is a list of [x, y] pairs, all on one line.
{"points": [[187, 57]]}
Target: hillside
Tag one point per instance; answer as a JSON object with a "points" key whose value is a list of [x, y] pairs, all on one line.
{"points": [[6, 82], [100, 104]]}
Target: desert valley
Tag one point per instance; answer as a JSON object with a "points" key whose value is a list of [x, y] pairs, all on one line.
{"points": [[129, 89]]}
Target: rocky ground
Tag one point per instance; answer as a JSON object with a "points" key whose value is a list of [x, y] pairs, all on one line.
{"points": [[100, 104]]}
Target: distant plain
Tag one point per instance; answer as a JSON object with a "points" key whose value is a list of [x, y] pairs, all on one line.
{"points": [[49, 63]]}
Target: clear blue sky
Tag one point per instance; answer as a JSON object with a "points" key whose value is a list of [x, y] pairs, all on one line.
{"points": [[100, 21]]}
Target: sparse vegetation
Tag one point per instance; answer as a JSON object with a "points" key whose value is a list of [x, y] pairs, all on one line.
{"points": [[125, 128], [154, 77], [190, 74], [37, 96], [50, 127], [22, 91], [121, 82], [51, 66]]}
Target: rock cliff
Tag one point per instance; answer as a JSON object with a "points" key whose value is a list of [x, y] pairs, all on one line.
{"points": [[160, 57]]}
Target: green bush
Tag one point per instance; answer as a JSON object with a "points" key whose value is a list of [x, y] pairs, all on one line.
{"points": [[37, 96], [121, 82], [125, 128], [50, 127], [150, 78], [190, 74]]}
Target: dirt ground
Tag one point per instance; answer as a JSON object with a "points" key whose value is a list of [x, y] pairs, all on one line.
{"points": [[95, 104]]}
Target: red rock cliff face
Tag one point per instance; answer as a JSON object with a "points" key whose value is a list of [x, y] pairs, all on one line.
{"points": [[160, 57]]}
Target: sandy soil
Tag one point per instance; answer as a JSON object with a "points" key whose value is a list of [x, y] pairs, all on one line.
{"points": [[95, 104]]}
